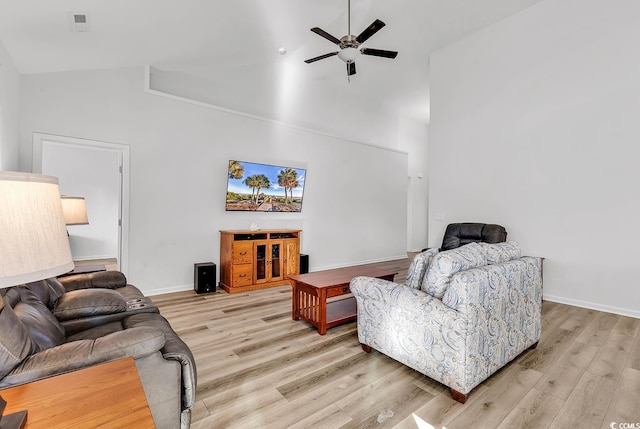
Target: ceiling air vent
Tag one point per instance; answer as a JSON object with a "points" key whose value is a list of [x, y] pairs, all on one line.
{"points": [[78, 22]]}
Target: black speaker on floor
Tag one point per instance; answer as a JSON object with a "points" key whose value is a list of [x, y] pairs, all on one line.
{"points": [[204, 277], [304, 263]]}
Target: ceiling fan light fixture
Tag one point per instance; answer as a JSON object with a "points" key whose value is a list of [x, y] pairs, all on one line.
{"points": [[350, 45], [348, 54]]}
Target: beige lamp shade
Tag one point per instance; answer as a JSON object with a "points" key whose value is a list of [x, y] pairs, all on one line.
{"points": [[74, 210], [33, 236]]}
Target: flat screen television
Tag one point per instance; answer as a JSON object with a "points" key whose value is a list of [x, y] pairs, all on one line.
{"points": [[264, 188]]}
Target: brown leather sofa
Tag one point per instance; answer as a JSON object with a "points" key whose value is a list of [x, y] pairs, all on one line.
{"points": [[59, 325]]}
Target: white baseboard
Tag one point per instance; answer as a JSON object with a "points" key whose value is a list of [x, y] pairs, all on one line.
{"points": [[170, 289], [593, 306], [350, 264], [94, 257]]}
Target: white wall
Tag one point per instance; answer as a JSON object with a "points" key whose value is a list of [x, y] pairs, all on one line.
{"points": [[534, 125], [355, 196], [9, 98], [286, 92], [413, 138]]}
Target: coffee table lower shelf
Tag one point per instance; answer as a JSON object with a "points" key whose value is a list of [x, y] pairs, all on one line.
{"points": [[341, 311], [338, 312]]}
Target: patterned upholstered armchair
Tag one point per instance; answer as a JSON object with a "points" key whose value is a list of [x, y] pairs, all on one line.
{"points": [[462, 315]]}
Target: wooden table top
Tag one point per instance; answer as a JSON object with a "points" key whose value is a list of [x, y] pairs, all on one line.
{"points": [[108, 395], [339, 276]]}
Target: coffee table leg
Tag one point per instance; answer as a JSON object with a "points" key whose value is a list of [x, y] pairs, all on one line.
{"points": [[322, 312], [295, 300]]}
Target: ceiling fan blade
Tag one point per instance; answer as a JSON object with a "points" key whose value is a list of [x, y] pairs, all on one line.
{"points": [[329, 37], [370, 31], [379, 53], [321, 57], [351, 69]]}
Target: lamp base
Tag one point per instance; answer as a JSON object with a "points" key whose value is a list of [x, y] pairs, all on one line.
{"points": [[16, 420]]}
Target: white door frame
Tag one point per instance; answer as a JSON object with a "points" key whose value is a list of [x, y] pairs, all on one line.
{"points": [[123, 209]]}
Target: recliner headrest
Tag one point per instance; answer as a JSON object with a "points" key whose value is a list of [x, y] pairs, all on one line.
{"points": [[459, 234]]}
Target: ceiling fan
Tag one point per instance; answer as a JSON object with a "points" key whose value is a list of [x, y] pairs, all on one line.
{"points": [[350, 45]]}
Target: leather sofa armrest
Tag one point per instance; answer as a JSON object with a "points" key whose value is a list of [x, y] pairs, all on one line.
{"points": [[174, 349], [135, 342], [100, 279]]}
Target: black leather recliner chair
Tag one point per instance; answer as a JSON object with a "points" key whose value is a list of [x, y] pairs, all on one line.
{"points": [[459, 234]]}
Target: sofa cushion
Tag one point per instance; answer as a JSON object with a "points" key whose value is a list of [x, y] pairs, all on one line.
{"points": [[15, 343], [501, 252], [96, 332], [82, 303], [418, 268], [43, 328], [446, 264], [137, 343]]}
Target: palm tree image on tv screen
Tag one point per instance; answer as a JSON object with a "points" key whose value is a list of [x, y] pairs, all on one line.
{"points": [[264, 188]]}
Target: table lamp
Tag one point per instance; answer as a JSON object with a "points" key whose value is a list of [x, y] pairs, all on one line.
{"points": [[74, 210], [33, 241]]}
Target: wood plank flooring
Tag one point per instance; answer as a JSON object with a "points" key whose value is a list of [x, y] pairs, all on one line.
{"points": [[258, 368]]}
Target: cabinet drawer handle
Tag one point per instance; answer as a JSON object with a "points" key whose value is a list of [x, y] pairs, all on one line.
{"points": [[345, 289], [242, 275], [243, 253]]}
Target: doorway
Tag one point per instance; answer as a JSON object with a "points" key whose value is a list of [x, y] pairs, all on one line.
{"points": [[96, 171]]}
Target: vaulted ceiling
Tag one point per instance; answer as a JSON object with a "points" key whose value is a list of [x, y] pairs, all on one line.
{"points": [[237, 42]]}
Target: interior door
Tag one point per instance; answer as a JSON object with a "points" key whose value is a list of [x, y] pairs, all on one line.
{"points": [[93, 170]]}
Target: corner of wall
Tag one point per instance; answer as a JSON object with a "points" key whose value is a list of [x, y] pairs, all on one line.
{"points": [[9, 104]]}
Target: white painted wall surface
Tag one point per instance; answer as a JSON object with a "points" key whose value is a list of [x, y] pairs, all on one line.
{"points": [[413, 138], [9, 99], [534, 125], [355, 196]]}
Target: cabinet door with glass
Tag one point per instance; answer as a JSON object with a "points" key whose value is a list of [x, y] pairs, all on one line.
{"points": [[268, 260]]}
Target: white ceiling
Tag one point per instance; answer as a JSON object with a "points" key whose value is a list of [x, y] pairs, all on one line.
{"points": [[240, 38]]}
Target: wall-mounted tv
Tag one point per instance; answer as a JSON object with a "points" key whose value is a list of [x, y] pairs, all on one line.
{"points": [[264, 187]]}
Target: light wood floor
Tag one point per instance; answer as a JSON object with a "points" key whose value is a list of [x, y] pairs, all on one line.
{"points": [[257, 368]]}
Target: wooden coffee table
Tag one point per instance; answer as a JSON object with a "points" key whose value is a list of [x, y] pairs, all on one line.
{"points": [[310, 293]]}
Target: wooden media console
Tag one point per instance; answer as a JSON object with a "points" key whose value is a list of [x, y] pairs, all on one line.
{"points": [[251, 260]]}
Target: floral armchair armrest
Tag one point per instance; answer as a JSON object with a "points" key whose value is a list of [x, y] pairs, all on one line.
{"points": [[411, 327]]}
